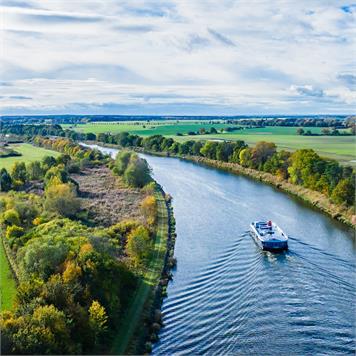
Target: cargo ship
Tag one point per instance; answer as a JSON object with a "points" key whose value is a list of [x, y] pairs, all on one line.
{"points": [[269, 236]]}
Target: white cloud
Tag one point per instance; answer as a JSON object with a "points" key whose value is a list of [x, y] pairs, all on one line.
{"points": [[237, 56]]}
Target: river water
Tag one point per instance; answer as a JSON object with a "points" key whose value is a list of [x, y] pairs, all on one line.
{"points": [[229, 297]]}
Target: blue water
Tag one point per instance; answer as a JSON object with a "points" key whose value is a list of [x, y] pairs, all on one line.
{"points": [[229, 297]]}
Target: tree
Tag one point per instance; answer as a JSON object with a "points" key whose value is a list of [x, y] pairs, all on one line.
{"points": [[48, 162], [122, 161], [138, 245], [43, 332], [262, 152], [97, 319], [245, 157], [325, 131], [137, 173], [42, 256], [209, 149], [300, 131], [149, 209], [62, 199], [19, 173], [5, 180], [11, 217], [213, 130], [34, 170], [344, 192]]}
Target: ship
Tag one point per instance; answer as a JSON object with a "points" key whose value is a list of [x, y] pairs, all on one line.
{"points": [[269, 236]]}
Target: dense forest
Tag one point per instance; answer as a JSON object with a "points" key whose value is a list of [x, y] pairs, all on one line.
{"points": [[75, 279]]}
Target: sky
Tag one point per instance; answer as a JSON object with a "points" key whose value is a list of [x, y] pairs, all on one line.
{"points": [[177, 57]]}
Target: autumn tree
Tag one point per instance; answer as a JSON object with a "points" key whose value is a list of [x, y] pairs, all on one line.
{"points": [[138, 245]]}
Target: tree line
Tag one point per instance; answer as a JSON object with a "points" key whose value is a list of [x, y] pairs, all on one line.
{"points": [[303, 167]]}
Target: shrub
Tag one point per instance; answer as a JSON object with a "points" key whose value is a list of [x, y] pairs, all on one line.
{"points": [[122, 161], [11, 217], [149, 209], [138, 245], [14, 231], [62, 199], [137, 173]]}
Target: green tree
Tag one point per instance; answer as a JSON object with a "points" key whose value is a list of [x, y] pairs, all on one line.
{"points": [[138, 245], [300, 131], [62, 199], [34, 170], [5, 180], [122, 161], [137, 173], [19, 172], [42, 257], [344, 192], [209, 149]]}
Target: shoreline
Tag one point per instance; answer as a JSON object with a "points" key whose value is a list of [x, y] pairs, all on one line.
{"points": [[316, 199]]}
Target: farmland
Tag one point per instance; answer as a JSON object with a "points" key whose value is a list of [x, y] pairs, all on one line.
{"points": [[341, 148], [28, 152]]}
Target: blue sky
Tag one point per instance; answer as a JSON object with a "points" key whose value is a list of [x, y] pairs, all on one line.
{"points": [[177, 57]]}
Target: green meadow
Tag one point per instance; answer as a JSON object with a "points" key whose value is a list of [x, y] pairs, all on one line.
{"points": [[29, 154], [341, 148]]}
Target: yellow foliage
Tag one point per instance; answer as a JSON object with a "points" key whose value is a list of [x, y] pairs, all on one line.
{"points": [[72, 272], [149, 209], [86, 248], [97, 317]]}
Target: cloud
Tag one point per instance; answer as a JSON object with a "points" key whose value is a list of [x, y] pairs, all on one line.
{"points": [[177, 55], [20, 97], [308, 90], [348, 78]]}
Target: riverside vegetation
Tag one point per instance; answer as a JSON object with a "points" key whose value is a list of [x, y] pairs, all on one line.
{"points": [[320, 181], [76, 277]]}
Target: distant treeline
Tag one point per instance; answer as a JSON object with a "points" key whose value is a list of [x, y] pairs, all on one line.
{"points": [[303, 167], [73, 119], [348, 122]]}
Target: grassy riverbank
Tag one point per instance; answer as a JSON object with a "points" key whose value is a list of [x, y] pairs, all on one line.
{"points": [[7, 282], [128, 338]]}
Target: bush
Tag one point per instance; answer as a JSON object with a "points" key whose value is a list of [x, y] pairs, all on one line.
{"points": [[149, 209], [138, 245], [11, 217], [62, 199], [122, 161], [14, 231], [137, 173]]}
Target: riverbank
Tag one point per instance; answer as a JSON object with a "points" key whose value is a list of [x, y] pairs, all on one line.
{"points": [[316, 199], [135, 334], [341, 213]]}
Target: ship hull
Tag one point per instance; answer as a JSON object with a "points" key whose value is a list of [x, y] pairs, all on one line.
{"points": [[273, 246]]}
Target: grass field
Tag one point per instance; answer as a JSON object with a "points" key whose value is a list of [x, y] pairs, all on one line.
{"points": [[29, 154], [7, 283], [341, 148]]}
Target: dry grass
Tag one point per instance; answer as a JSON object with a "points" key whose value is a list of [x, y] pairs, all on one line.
{"points": [[106, 197]]}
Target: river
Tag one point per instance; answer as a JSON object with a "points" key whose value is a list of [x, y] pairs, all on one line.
{"points": [[229, 297]]}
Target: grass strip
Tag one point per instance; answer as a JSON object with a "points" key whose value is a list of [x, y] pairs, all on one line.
{"points": [[144, 290]]}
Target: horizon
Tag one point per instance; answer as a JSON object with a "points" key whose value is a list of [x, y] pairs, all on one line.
{"points": [[213, 58]]}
